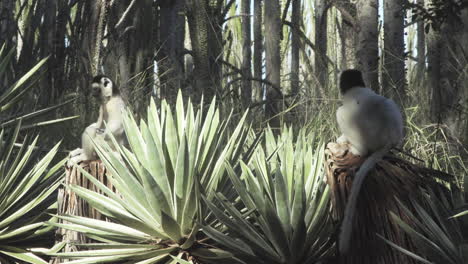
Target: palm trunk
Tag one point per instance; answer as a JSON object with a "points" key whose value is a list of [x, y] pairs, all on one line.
{"points": [[258, 51], [296, 19], [246, 93], [393, 73], [368, 42], [321, 64], [171, 47], [421, 48], [205, 34], [348, 36], [273, 60]]}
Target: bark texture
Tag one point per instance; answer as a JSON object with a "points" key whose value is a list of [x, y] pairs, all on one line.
{"points": [[421, 48], [69, 203], [204, 19], [170, 54], [246, 90], [273, 60], [321, 63], [393, 71], [368, 41], [258, 50], [348, 35], [392, 177], [296, 20]]}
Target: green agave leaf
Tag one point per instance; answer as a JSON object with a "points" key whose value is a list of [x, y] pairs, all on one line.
{"points": [[113, 252], [14, 89], [404, 251], [422, 241], [212, 253], [460, 214], [5, 58], [104, 226], [286, 223], [171, 227], [21, 254], [237, 245]]}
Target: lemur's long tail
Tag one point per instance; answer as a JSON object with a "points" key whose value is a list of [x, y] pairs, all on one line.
{"points": [[347, 223]]}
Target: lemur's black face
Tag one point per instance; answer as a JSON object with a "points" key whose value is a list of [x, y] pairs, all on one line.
{"points": [[95, 89], [350, 79], [103, 86]]}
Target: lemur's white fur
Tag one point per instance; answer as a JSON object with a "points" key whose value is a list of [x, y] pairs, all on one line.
{"points": [[372, 124], [110, 121]]}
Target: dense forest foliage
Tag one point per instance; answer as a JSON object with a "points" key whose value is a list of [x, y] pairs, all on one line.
{"points": [[280, 60]]}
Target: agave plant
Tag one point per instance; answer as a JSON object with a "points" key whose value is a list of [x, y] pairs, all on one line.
{"points": [[172, 159], [26, 200], [14, 93], [284, 218], [27, 183], [439, 237]]}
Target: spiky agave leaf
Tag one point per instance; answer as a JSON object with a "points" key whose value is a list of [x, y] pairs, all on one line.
{"points": [[438, 236], [16, 92], [285, 219], [173, 157], [26, 189]]}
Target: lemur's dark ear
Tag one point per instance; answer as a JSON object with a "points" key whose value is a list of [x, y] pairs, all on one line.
{"points": [[350, 79]]}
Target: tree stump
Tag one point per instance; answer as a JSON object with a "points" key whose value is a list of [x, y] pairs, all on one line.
{"points": [[391, 178], [70, 204]]}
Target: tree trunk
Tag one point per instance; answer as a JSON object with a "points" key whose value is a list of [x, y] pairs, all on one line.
{"points": [[102, 20], [7, 32], [246, 93], [434, 46], [321, 64], [368, 41], [7, 23], [296, 20], [393, 72], [273, 60], [421, 48], [348, 34], [391, 178], [258, 51], [206, 37], [447, 75], [171, 47]]}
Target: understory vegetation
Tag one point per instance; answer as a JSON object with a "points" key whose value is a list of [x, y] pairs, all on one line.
{"points": [[230, 107]]}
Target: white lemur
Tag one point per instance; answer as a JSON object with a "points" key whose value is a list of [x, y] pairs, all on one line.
{"points": [[371, 124], [110, 120]]}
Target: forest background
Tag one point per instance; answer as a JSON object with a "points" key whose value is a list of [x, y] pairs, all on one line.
{"points": [[278, 59], [281, 59]]}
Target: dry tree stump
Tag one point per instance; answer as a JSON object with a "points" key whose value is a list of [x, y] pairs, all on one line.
{"points": [[392, 178], [71, 204]]}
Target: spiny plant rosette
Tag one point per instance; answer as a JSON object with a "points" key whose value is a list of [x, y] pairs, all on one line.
{"points": [[172, 159], [284, 214]]}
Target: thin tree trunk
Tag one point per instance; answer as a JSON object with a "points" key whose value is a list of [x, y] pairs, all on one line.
{"points": [[171, 41], [7, 23], [368, 42], [273, 60], [321, 63], [258, 51], [348, 34], [393, 72], [421, 48], [434, 46], [296, 20], [7, 32], [206, 37], [96, 56], [246, 93]]}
